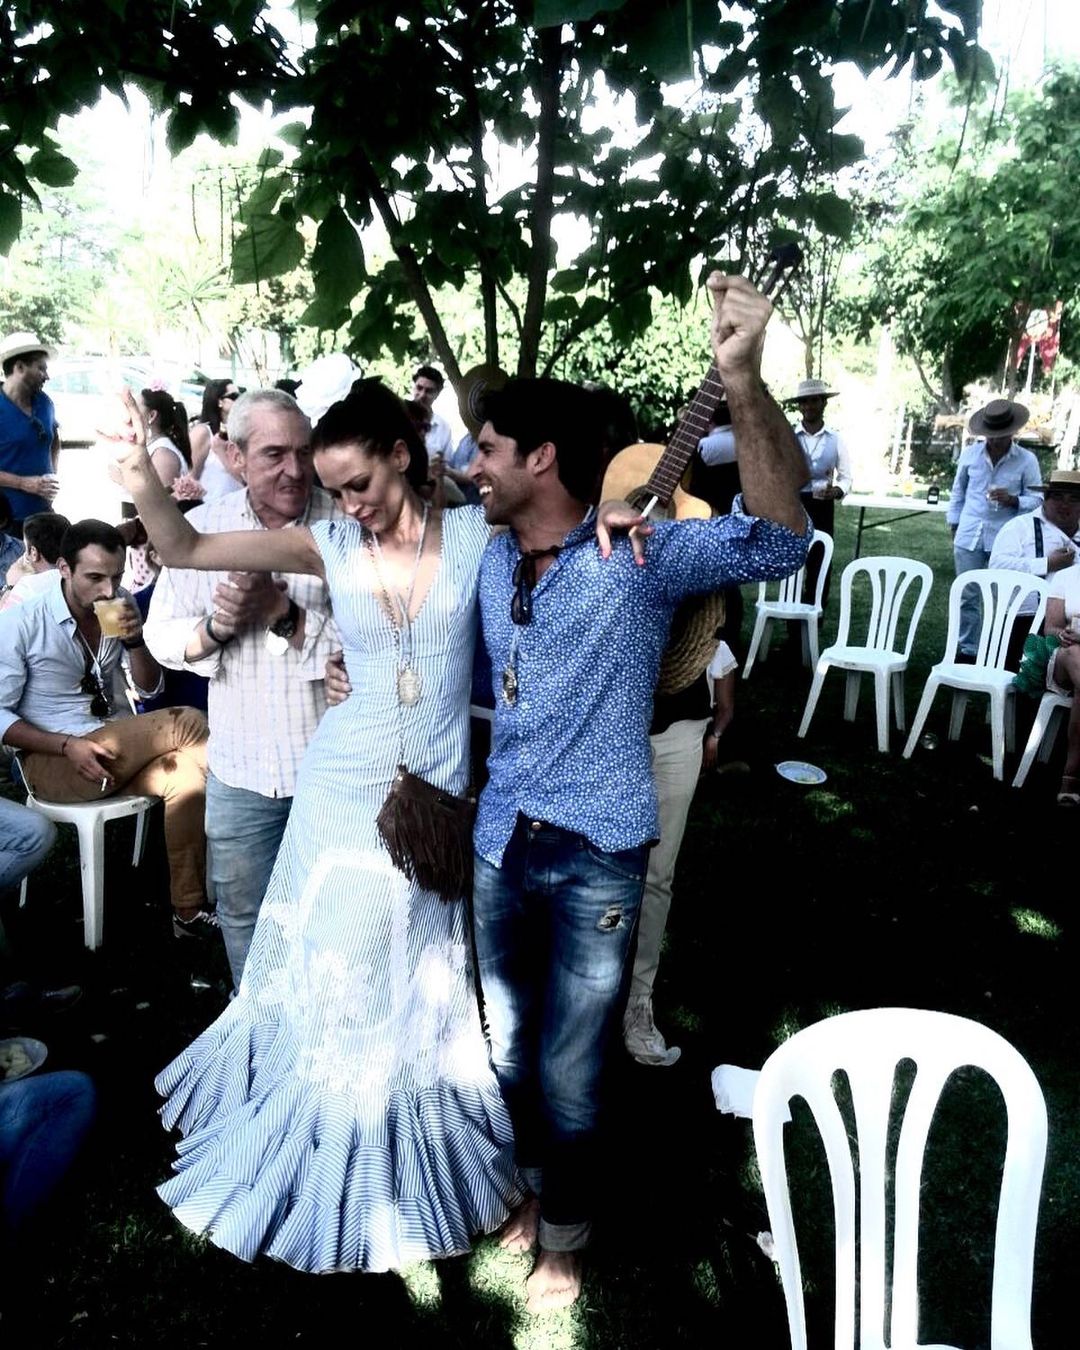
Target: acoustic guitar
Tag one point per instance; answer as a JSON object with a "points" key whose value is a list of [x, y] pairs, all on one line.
{"points": [[650, 476]]}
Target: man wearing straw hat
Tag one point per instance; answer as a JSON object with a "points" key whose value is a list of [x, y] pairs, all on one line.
{"points": [[995, 480], [1041, 542], [828, 466], [29, 441]]}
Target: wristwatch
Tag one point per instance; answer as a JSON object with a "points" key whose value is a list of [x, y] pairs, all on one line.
{"points": [[278, 634]]}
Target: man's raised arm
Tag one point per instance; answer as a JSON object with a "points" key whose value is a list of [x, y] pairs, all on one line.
{"points": [[772, 467]]}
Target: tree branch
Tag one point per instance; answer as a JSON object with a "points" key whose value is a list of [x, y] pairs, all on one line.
{"points": [[414, 273], [550, 43], [488, 298]]}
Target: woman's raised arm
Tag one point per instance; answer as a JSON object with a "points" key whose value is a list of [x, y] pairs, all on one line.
{"points": [[178, 544]]}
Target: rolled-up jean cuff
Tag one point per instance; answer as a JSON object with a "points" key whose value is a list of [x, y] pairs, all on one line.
{"points": [[564, 1237], [533, 1178]]}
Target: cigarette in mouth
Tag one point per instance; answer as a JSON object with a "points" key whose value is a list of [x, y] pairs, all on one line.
{"points": [[104, 784]]}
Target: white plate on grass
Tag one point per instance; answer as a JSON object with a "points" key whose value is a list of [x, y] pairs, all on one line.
{"points": [[798, 771], [20, 1056]]}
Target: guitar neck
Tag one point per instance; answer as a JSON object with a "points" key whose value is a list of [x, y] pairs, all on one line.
{"points": [[693, 426]]}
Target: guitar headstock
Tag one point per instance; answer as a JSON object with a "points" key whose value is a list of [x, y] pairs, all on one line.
{"points": [[781, 264]]}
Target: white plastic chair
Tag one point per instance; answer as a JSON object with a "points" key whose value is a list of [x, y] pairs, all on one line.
{"points": [[788, 607], [890, 579], [89, 820], [1048, 718], [868, 1046], [1002, 592]]}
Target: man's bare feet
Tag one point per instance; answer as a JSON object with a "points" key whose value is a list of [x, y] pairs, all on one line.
{"points": [[519, 1232], [555, 1281]]}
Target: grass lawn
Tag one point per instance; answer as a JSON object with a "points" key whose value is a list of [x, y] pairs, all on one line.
{"points": [[916, 882]]}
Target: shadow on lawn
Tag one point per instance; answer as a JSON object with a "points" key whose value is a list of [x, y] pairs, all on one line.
{"points": [[918, 883]]}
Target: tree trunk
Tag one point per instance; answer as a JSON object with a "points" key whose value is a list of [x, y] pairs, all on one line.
{"points": [[543, 209], [488, 283], [414, 273]]}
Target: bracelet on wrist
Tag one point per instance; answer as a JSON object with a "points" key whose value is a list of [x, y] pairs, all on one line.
{"points": [[134, 645], [218, 641]]}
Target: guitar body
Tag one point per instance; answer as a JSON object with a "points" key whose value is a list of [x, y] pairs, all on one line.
{"points": [[627, 479]]}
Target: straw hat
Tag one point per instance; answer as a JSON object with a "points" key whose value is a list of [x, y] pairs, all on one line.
{"points": [[811, 389], [1000, 417], [475, 383], [1061, 480], [22, 344], [691, 643]]}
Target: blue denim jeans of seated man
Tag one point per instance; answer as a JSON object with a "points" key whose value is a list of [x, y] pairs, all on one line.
{"points": [[555, 928], [43, 1122], [243, 834], [25, 838]]}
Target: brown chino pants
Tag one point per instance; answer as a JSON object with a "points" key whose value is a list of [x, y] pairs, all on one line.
{"points": [[158, 754]]}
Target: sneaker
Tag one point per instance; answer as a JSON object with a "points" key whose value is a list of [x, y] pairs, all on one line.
{"points": [[21, 1002], [642, 1040], [203, 923]]}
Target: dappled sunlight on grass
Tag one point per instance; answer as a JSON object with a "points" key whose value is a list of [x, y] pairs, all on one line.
{"points": [[1037, 925], [826, 807], [499, 1275], [422, 1285]]}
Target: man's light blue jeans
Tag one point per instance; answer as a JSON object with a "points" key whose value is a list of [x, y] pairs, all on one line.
{"points": [[555, 929], [25, 838], [967, 560], [243, 833]]}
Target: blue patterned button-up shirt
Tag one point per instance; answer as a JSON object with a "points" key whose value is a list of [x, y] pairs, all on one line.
{"points": [[573, 750]]}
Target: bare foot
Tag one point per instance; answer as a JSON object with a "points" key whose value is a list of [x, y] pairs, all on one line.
{"points": [[554, 1283], [519, 1232]]}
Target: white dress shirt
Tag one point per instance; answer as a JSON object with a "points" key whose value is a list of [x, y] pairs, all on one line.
{"points": [[827, 459], [263, 708], [1017, 547], [439, 440]]}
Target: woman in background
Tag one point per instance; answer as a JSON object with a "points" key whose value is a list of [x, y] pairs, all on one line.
{"points": [[210, 462]]}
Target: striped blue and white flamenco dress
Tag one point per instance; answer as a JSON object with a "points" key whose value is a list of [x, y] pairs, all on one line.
{"points": [[341, 1114]]}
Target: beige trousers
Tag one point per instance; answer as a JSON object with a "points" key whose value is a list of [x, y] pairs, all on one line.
{"points": [[676, 761], [158, 754]]}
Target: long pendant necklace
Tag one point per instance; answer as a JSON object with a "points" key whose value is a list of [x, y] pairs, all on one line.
{"points": [[409, 683]]}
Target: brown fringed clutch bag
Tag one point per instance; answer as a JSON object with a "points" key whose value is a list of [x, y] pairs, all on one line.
{"points": [[428, 834]]}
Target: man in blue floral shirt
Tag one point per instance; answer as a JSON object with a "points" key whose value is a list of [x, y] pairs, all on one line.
{"points": [[576, 630]]}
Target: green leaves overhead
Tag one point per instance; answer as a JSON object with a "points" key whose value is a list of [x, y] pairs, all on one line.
{"points": [[10, 220], [552, 13], [466, 131], [956, 253], [270, 244], [52, 168], [831, 214], [337, 262]]}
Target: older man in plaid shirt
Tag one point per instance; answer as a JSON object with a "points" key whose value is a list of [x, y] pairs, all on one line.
{"points": [[263, 642]]}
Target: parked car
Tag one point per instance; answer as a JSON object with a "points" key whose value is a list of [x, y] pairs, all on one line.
{"points": [[84, 392]]}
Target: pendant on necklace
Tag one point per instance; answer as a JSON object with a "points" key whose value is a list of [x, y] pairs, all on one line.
{"points": [[408, 687], [510, 685]]}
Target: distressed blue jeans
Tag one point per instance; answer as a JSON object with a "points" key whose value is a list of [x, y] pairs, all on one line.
{"points": [[555, 929], [243, 834]]}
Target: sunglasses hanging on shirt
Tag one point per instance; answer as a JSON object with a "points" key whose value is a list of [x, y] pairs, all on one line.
{"points": [[91, 685]]}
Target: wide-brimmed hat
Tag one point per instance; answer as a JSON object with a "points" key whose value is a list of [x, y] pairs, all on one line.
{"points": [[1000, 417], [22, 344], [811, 389], [475, 383], [1061, 480], [691, 642]]}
